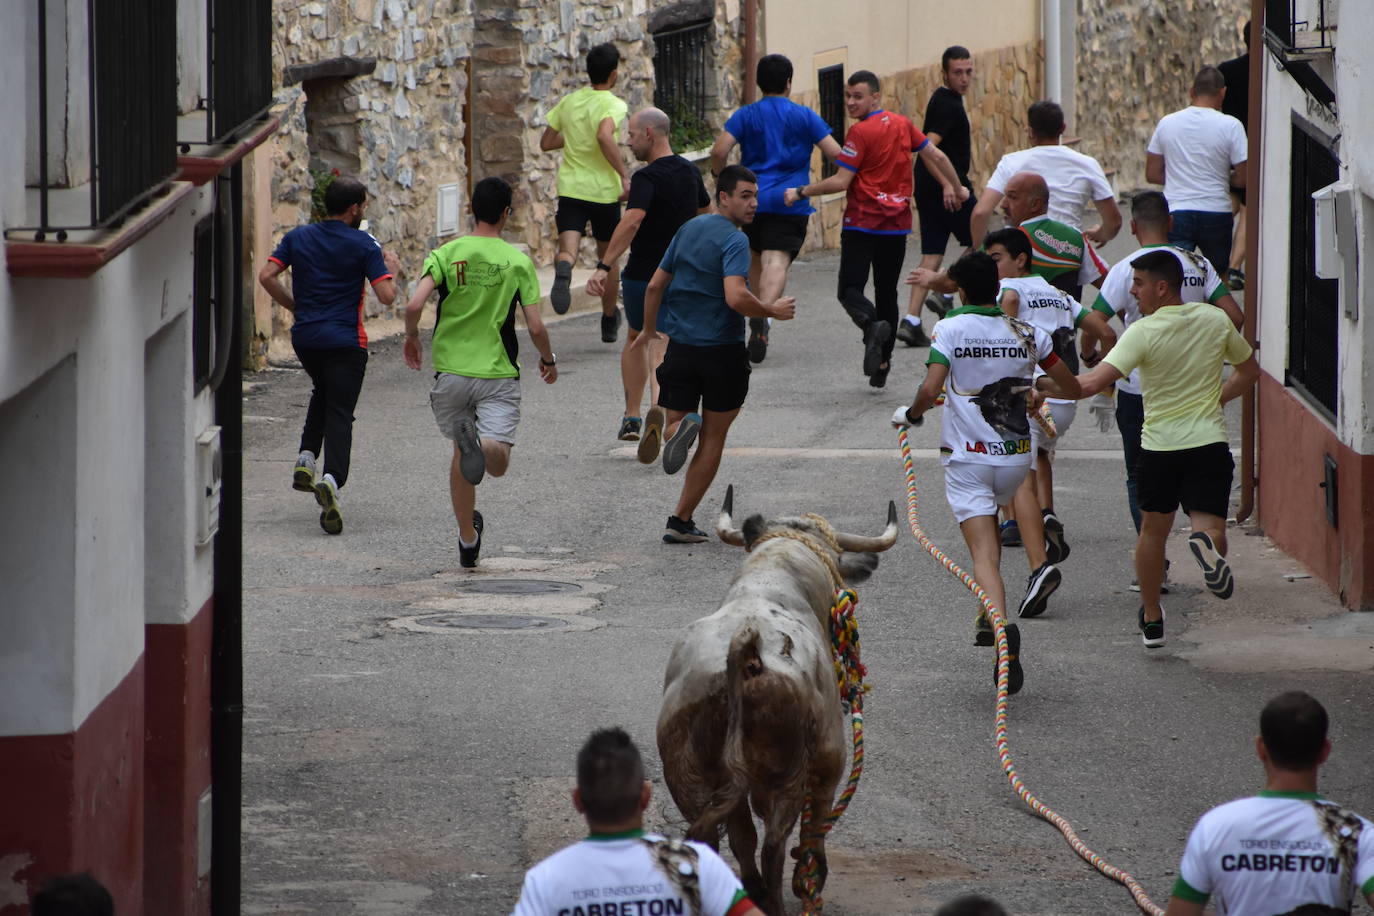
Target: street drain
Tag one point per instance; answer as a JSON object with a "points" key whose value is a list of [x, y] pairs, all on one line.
{"points": [[491, 622], [518, 586]]}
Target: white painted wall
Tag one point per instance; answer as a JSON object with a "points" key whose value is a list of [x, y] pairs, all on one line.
{"points": [[192, 54]]}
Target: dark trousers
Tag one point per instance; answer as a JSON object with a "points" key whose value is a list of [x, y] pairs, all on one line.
{"points": [[861, 252], [338, 377], [1204, 231], [1130, 419]]}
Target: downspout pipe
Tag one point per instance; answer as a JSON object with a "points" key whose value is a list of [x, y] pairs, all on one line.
{"points": [[1049, 28], [751, 49], [1253, 295]]}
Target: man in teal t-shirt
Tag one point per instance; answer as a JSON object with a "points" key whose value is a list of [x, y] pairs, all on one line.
{"points": [[481, 279]]}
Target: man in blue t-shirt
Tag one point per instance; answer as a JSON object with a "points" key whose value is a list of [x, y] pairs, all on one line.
{"points": [[702, 284], [775, 137], [331, 264]]}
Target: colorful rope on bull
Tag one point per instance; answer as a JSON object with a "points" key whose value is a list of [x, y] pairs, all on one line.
{"points": [[849, 675], [999, 623]]}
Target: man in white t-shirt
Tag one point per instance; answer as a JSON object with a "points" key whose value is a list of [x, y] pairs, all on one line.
{"points": [[1286, 851], [1073, 179], [619, 868], [980, 359], [1199, 154]]}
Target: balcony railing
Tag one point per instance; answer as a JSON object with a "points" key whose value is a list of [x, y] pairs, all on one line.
{"points": [[240, 65], [1300, 27]]}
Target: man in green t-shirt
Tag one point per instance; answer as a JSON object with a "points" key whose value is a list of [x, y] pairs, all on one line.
{"points": [[481, 279], [592, 179]]}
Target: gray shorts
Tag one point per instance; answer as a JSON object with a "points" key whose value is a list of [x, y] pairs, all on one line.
{"points": [[493, 403]]}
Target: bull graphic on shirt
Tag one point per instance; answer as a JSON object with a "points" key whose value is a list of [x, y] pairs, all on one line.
{"points": [[1003, 405], [1065, 347], [486, 274]]}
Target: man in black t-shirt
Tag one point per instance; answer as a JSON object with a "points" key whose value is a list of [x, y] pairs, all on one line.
{"points": [[1236, 103], [663, 195], [947, 126]]}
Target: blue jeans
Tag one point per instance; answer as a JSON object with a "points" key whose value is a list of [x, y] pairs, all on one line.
{"points": [[1130, 419], [1204, 231]]}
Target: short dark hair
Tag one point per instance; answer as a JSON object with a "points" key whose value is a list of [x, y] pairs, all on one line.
{"points": [[1162, 265], [490, 198], [971, 905], [1208, 81], [72, 895], [976, 275], [864, 76], [1011, 238], [1151, 208], [610, 776], [1045, 119], [342, 193], [731, 177], [772, 73], [602, 61], [1293, 729], [953, 52]]}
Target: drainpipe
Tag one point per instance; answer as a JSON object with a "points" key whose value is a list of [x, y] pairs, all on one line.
{"points": [[751, 49], [1049, 29], [1255, 131]]}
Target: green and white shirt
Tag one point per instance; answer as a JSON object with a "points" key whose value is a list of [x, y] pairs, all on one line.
{"points": [[480, 282], [1058, 248], [990, 368], [1269, 855]]}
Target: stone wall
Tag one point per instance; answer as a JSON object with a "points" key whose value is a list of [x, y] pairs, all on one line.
{"points": [[1136, 60]]}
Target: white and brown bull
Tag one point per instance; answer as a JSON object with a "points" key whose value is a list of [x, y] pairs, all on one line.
{"points": [[751, 710]]}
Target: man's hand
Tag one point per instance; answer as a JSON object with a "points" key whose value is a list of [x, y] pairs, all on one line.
{"points": [[392, 262], [791, 195], [921, 276], [410, 352], [1096, 236], [624, 188], [900, 418], [784, 308], [954, 196], [548, 373], [645, 336], [597, 284]]}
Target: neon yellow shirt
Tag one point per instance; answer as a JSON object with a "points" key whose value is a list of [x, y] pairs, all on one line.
{"points": [[480, 282], [1180, 350], [584, 172]]}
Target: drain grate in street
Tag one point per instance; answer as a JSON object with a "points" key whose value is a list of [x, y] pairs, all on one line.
{"points": [[518, 586], [491, 622]]}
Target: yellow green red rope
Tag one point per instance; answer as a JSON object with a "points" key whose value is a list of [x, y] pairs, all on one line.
{"points": [[1000, 728]]}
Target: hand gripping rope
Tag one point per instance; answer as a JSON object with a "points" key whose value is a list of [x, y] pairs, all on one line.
{"points": [[1003, 664]]}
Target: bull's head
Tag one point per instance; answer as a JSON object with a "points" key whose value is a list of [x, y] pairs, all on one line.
{"points": [[857, 556]]}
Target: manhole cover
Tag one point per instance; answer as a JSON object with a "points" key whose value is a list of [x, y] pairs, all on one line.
{"points": [[518, 586], [491, 622]]}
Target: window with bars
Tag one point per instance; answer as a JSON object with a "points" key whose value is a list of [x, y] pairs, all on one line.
{"points": [[1313, 303], [681, 56], [830, 87]]}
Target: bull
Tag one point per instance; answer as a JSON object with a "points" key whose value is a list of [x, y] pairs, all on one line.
{"points": [[751, 712]]}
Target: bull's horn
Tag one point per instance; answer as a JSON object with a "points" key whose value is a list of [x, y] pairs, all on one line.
{"points": [[858, 543], [725, 525]]}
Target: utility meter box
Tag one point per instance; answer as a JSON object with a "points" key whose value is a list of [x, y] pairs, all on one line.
{"points": [[209, 470]]}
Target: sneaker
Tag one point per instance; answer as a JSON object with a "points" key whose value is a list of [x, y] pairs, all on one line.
{"points": [[1015, 676], [982, 630], [1039, 587], [675, 449], [1235, 280], [679, 532], [610, 326], [629, 429], [758, 339], [912, 334], [1011, 533], [327, 495], [303, 477], [652, 437], [1056, 548], [472, 464], [1151, 632], [879, 377], [876, 336], [467, 556], [560, 296], [940, 304], [1216, 572]]}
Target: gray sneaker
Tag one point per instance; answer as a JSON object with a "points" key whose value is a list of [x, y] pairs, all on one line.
{"points": [[327, 495], [472, 464], [303, 477], [675, 449]]}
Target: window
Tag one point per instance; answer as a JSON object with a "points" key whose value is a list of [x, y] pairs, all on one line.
{"points": [[1313, 303], [830, 86], [680, 61]]}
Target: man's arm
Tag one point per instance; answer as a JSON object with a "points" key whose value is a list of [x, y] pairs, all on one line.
{"points": [[1154, 168], [269, 278], [1087, 385], [1009, 301], [939, 165], [830, 149], [1111, 221], [720, 150], [386, 290], [605, 139], [840, 181], [1180, 907], [939, 282], [653, 296], [929, 392], [410, 350], [1238, 175], [620, 241], [982, 212], [1098, 332], [550, 140], [1228, 304], [539, 336], [739, 298], [1241, 380]]}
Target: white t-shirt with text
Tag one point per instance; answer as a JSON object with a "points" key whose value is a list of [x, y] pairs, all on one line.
{"points": [[1051, 310], [1074, 179], [1199, 146]]}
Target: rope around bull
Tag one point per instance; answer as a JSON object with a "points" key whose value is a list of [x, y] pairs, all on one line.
{"points": [[1003, 666]]}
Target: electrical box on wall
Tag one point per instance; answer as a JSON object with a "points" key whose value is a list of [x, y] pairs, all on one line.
{"points": [[209, 470], [449, 214]]}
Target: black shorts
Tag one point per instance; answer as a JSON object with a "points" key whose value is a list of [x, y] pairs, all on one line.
{"points": [[938, 224], [1198, 478], [1067, 282], [716, 377], [777, 232], [573, 216]]}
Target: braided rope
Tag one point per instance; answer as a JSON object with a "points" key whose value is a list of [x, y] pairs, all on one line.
{"points": [[1003, 666]]}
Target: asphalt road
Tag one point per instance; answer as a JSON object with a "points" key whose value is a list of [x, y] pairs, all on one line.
{"points": [[398, 764]]}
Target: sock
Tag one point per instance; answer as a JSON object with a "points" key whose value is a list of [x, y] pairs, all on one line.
{"points": [[469, 545], [912, 320]]}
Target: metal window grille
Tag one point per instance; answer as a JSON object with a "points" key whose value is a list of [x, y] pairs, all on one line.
{"points": [[1313, 303], [830, 88], [1299, 25], [680, 58], [240, 64]]}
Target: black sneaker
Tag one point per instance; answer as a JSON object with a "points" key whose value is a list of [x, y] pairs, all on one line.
{"points": [[471, 462], [610, 326], [940, 304], [1151, 632], [1011, 533], [876, 336], [1015, 676], [679, 532], [912, 334], [1216, 572], [758, 339], [467, 556], [879, 377], [982, 630], [560, 296], [1056, 548], [675, 449], [629, 429], [1235, 280], [1039, 587]]}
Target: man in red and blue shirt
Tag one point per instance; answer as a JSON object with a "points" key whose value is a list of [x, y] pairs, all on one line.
{"points": [[331, 262], [875, 172]]}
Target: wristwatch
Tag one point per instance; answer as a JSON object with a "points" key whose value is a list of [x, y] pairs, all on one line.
{"points": [[602, 265], [549, 362], [914, 421], [801, 192]]}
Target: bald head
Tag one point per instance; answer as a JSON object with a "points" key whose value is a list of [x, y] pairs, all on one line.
{"points": [[1025, 197], [653, 119], [648, 134]]}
